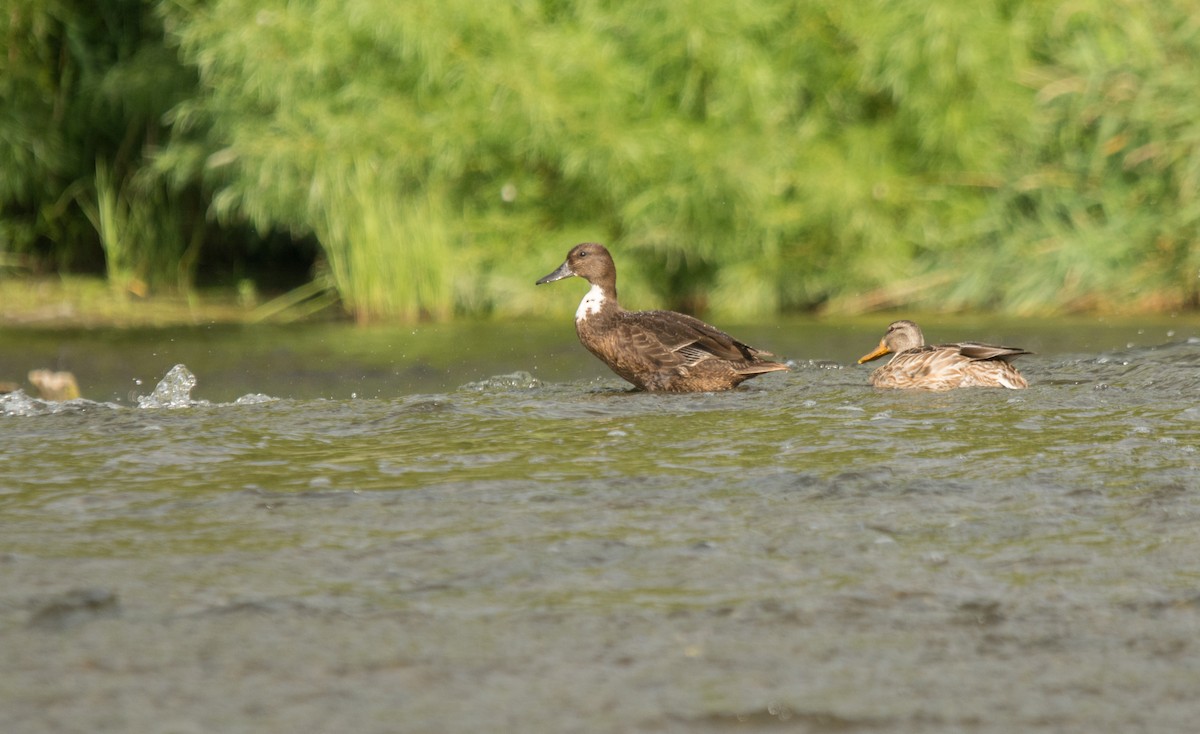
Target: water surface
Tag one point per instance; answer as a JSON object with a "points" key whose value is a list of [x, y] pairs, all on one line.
{"points": [[387, 530]]}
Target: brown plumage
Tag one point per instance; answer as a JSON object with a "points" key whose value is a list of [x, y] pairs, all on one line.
{"points": [[941, 366], [655, 350]]}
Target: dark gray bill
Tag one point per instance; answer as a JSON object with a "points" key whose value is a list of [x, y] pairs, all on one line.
{"points": [[564, 271]]}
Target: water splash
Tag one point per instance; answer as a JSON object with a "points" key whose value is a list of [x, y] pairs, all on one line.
{"points": [[515, 381], [19, 404], [254, 399], [173, 391]]}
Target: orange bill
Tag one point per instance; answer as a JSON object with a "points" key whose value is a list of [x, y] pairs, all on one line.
{"points": [[879, 352]]}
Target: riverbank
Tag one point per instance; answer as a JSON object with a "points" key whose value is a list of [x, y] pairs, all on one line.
{"points": [[75, 301], [72, 301]]}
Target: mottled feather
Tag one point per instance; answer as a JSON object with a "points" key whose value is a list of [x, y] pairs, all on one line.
{"points": [[942, 366]]}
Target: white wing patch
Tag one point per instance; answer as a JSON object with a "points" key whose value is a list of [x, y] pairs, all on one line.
{"points": [[693, 354], [590, 304]]}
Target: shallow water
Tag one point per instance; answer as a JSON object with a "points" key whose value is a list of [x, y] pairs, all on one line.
{"points": [[462, 547]]}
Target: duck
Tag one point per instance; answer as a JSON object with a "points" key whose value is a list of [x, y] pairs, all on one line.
{"points": [[655, 351], [941, 366]]}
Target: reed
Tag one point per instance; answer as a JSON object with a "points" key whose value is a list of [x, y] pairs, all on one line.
{"points": [[389, 259], [141, 230]]}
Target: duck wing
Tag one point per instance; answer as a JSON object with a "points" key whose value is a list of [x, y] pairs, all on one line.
{"points": [[980, 352], [679, 338]]}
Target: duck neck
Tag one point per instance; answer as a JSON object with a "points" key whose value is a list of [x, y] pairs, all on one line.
{"points": [[600, 301]]}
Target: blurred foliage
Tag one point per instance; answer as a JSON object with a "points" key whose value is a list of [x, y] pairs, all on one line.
{"points": [[84, 86], [84, 89], [749, 157]]}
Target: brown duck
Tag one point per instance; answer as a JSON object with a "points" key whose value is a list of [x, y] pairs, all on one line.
{"points": [[661, 351], [941, 366]]}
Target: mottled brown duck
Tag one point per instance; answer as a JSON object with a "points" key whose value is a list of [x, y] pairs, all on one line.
{"points": [[658, 351], [941, 366]]}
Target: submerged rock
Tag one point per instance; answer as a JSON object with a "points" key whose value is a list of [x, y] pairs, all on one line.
{"points": [[72, 607]]}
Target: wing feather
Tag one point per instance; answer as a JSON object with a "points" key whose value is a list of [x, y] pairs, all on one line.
{"points": [[689, 337], [977, 351]]}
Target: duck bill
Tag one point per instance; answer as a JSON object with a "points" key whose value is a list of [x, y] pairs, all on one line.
{"points": [[564, 271], [879, 352]]}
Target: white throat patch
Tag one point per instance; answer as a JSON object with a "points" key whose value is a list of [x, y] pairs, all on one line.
{"points": [[590, 304]]}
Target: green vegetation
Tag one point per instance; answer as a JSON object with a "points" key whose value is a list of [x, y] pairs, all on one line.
{"points": [[752, 158], [83, 89]]}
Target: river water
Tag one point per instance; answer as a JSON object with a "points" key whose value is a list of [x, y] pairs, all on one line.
{"points": [[477, 528]]}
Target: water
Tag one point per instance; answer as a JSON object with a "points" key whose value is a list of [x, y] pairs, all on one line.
{"points": [[475, 528]]}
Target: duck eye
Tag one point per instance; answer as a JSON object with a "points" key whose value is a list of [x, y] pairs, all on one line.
{"points": [[583, 253]]}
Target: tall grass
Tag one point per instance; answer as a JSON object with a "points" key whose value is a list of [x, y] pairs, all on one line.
{"points": [[389, 257], [142, 231]]}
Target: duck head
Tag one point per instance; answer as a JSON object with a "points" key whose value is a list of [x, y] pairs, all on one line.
{"points": [[589, 261], [899, 337]]}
